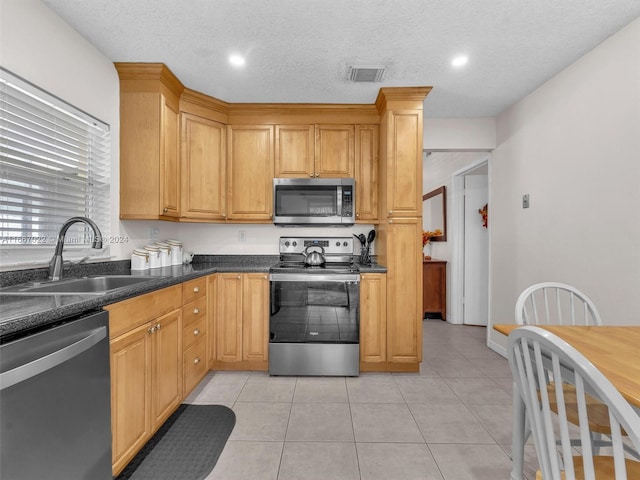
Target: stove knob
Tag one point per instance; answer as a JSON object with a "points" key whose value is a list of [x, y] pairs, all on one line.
{"points": [[286, 244], [295, 244], [344, 244], [337, 244]]}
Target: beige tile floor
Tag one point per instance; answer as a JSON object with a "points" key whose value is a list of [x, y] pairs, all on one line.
{"points": [[452, 421]]}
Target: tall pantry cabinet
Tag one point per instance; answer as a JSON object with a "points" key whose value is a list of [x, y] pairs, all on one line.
{"points": [[399, 243]]}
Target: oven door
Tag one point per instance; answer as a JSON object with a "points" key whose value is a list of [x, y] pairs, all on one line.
{"points": [[314, 324]]}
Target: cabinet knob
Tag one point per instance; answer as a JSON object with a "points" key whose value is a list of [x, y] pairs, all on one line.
{"points": [[196, 360], [390, 212], [196, 332], [152, 329], [311, 174], [224, 215], [390, 221], [266, 277], [196, 289], [357, 215], [196, 311], [238, 277], [165, 209], [158, 326]]}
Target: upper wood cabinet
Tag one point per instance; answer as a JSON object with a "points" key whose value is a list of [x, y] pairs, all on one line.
{"points": [[326, 151], [367, 164], [203, 159], [250, 160], [149, 168], [404, 164]]}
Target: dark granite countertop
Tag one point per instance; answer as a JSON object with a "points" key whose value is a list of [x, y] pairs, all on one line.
{"points": [[27, 312]]}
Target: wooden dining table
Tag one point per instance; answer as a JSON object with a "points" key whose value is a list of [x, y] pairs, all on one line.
{"points": [[614, 350]]}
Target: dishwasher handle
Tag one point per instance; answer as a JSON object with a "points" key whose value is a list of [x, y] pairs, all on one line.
{"points": [[42, 364]]}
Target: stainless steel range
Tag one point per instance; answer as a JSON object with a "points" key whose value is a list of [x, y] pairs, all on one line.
{"points": [[314, 321]]}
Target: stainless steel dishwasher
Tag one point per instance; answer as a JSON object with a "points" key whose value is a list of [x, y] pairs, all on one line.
{"points": [[55, 403]]}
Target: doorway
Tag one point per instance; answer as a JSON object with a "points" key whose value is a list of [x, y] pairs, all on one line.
{"points": [[470, 253]]}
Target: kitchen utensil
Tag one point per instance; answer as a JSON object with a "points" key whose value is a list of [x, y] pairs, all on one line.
{"points": [[314, 259], [363, 239], [371, 237], [358, 237]]}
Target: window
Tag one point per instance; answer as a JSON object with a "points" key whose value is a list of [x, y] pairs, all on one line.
{"points": [[54, 164]]}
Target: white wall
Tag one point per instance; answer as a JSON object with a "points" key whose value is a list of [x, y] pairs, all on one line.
{"points": [[574, 146], [458, 133]]}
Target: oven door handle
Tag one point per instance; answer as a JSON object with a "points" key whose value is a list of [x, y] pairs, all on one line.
{"points": [[315, 277]]}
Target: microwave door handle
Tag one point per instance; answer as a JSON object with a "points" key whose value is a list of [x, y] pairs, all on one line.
{"points": [[339, 205]]}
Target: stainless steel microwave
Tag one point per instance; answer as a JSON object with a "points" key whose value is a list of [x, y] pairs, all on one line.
{"points": [[314, 201]]}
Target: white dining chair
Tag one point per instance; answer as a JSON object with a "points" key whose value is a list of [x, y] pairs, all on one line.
{"points": [[554, 303], [536, 355]]}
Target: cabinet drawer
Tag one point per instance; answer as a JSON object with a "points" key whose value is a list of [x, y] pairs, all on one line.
{"points": [[194, 332], [194, 289], [126, 315], [195, 364], [194, 311]]}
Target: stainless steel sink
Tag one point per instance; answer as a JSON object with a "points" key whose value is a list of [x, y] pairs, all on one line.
{"points": [[77, 286]]}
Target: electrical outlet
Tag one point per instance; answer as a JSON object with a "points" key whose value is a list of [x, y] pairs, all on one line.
{"points": [[242, 236], [153, 233], [525, 201]]}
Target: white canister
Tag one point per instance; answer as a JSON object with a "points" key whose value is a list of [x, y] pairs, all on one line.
{"points": [[139, 259], [154, 256], [165, 253], [176, 251]]}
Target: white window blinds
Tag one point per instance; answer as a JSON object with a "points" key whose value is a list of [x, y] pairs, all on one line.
{"points": [[54, 164]]}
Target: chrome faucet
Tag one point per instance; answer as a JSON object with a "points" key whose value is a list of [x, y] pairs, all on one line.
{"points": [[56, 263]]}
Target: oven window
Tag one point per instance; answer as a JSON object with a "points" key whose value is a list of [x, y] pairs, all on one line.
{"points": [[314, 312], [317, 201]]}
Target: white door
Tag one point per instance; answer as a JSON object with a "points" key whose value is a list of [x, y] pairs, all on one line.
{"points": [[476, 252]]}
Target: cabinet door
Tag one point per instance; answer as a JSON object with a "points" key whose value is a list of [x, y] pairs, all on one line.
{"points": [[169, 164], [404, 157], [250, 172], [255, 316], [367, 139], [335, 151], [404, 290], [373, 317], [203, 168], [228, 320], [294, 151], [130, 394], [166, 366]]}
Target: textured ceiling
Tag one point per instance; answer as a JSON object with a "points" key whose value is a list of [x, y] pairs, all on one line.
{"points": [[300, 50]]}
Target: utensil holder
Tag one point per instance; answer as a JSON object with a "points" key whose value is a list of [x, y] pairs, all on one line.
{"points": [[365, 255]]}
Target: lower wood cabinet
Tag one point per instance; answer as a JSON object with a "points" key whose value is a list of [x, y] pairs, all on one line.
{"points": [[146, 368], [195, 313], [434, 288], [373, 320], [241, 321]]}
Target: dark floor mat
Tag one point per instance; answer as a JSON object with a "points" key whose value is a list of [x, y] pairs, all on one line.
{"points": [[186, 447]]}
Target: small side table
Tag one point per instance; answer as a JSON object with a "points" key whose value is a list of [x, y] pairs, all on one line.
{"points": [[434, 288]]}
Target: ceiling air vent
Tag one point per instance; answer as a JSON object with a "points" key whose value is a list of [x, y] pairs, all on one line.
{"points": [[369, 73]]}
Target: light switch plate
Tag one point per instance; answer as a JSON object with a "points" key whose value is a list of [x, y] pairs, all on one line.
{"points": [[525, 201]]}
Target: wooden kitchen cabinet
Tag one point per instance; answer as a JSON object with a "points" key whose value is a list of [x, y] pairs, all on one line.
{"points": [[242, 321], [403, 173], [250, 167], [294, 155], [194, 333], [149, 160], [373, 320], [317, 151], [146, 368], [434, 288], [335, 151], [367, 164], [203, 174], [403, 258]]}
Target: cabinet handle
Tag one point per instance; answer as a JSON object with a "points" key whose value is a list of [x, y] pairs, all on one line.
{"points": [[196, 360], [158, 326], [196, 289], [390, 212], [196, 332], [265, 277], [238, 277], [196, 311], [224, 215], [152, 329], [165, 209], [390, 221], [311, 175], [357, 215]]}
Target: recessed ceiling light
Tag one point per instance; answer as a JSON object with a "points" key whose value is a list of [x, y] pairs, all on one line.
{"points": [[459, 61], [237, 60]]}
